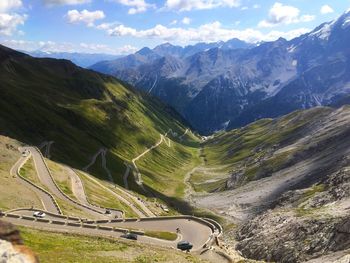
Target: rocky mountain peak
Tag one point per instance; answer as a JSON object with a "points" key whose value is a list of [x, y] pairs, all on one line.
{"points": [[325, 30], [145, 51], [310, 70]]}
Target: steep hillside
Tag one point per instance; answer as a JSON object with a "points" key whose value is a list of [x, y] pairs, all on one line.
{"points": [[229, 86], [284, 181], [83, 112]]}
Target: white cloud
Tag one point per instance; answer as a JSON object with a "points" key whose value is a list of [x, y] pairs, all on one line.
{"points": [[25, 45], [122, 30], [8, 5], [273, 35], [187, 5], [85, 16], [326, 9], [174, 22], [205, 33], [106, 26], [100, 48], [186, 21], [284, 14], [66, 2], [19, 44], [10, 22], [256, 6], [50, 46], [127, 49], [136, 6]]}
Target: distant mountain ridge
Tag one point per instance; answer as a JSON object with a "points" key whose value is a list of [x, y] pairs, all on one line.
{"points": [[229, 84], [81, 59], [147, 55]]}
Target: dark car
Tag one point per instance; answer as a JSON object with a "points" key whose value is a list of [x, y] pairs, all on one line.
{"points": [[184, 245], [108, 212], [130, 236]]}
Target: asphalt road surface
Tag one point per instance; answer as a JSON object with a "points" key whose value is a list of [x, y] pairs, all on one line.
{"points": [[196, 232]]}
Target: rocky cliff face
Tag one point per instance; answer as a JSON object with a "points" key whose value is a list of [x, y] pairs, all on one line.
{"points": [[12, 249], [305, 224], [226, 86], [287, 185]]}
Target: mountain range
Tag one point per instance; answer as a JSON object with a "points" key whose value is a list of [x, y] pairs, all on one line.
{"points": [[280, 187], [81, 59], [82, 111], [229, 84]]}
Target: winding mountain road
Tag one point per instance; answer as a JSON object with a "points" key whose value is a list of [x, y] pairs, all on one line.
{"points": [[143, 212], [124, 200], [102, 152], [47, 146], [163, 138], [45, 197], [195, 230], [138, 177], [126, 175], [183, 135], [190, 230], [77, 186], [47, 180]]}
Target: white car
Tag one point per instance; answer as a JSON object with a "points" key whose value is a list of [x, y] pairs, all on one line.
{"points": [[39, 214], [165, 209]]}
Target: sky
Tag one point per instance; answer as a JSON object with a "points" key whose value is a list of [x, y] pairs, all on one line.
{"points": [[124, 26]]}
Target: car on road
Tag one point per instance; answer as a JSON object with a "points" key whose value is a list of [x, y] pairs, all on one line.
{"points": [[165, 209], [130, 236], [108, 212], [39, 214], [184, 245]]}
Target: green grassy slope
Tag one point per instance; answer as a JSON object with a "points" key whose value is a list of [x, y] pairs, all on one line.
{"points": [[83, 249], [252, 152], [83, 111]]}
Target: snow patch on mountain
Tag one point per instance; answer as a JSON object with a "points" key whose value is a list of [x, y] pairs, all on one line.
{"points": [[324, 32], [346, 22], [291, 49]]}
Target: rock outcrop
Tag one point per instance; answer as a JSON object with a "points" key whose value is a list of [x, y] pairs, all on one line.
{"points": [[12, 249], [305, 224]]}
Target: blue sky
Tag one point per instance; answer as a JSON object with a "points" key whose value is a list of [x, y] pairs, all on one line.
{"points": [[123, 26]]}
